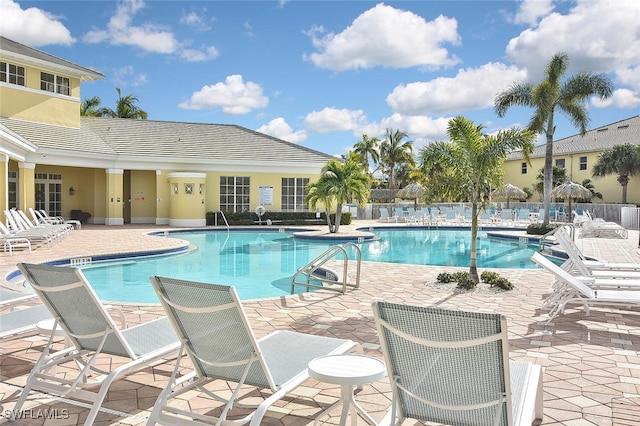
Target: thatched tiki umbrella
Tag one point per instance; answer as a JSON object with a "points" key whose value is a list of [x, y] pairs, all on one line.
{"points": [[413, 190], [509, 191], [569, 190]]}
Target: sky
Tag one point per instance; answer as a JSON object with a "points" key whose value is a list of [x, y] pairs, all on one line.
{"points": [[321, 74]]}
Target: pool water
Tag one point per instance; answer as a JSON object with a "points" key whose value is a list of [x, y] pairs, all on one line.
{"points": [[261, 264]]}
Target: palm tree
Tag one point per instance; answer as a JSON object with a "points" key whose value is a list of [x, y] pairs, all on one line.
{"points": [[550, 95], [587, 183], [559, 177], [367, 148], [472, 164], [338, 184], [623, 160], [393, 152], [89, 107], [125, 108]]}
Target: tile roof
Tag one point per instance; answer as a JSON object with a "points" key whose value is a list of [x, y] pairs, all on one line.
{"points": [[149, 140], [598, 139], [11, 48]]}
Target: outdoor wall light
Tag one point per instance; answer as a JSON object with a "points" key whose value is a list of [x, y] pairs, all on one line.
{"points": [[72, 191]]}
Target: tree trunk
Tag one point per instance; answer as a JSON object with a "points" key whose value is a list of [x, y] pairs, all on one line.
{"points": [[548, 170], [624, 194], [473, 266], [336, 228], [329, 220]]}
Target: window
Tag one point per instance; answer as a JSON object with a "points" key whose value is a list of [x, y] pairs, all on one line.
{"points": [[523, 168], [583, 163], [13, 190], [55, 84], [235, 193], [560, 163], [10, 73], [293, 193], [48, 188]]}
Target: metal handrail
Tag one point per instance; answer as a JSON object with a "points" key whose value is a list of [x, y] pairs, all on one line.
{"points": [[309, 269], [572, 232], [223, 217]]}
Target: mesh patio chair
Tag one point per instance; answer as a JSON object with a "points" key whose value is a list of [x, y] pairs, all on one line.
{"points": [[453, 367], [93, 333], [218, 339]]}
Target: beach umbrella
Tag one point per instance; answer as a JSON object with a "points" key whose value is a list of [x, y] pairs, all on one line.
{"points": [[413, 190], [569, 190], [509, 191]]}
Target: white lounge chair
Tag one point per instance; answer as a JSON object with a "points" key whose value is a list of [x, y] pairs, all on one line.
{"points": [[453, 367], [10, 242], [599, 228], [220, 344], [92, 332], [591, 268], [19, 229], [570, 289], [16, 320], [44, 216]]}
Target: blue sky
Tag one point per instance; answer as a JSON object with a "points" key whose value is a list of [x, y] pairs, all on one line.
{"points": [[323, 73]]}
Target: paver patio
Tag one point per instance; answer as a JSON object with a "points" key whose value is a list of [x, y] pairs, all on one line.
{"points": [[591, 364]]}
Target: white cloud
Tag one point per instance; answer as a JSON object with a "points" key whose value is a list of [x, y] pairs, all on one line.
{"points": [[597, 35], [333, 120], [127, 76], [470, 89], [196, 20], [152, 38], [198, 55], [120, 31], [278, 128], [421, 129], [32, 26], [233, 95], [621, 98], [530, 11], [386, 36]]}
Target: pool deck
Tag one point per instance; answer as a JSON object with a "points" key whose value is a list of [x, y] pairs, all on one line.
{"points": [[591, 364]]}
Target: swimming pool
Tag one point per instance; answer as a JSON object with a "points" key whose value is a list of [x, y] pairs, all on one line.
{"points": [[260, 264]]}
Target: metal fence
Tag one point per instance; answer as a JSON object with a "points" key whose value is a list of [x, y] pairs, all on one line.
{"points": [[627, 215]]}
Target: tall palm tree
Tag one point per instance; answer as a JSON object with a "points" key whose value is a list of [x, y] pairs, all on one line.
{"points": [[623, 160], [551, 95], [393, 152], [338, 184], [367, 148], [125, 108], [89, 107], [472, 163]]}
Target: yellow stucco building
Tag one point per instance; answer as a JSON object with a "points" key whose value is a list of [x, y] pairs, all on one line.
{"points": [[577, 155], [131, 171]]}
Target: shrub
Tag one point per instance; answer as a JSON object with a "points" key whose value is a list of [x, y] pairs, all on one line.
{"points": [[540, 228], [445, 277], [489, 277], [503, 283], [465, 281]]}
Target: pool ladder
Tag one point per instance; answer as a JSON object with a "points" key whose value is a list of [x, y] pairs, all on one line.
{"points": [[317, 275]]}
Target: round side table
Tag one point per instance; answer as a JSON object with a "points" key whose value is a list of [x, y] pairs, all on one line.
{"points": [[348, 371], [45, 327]]}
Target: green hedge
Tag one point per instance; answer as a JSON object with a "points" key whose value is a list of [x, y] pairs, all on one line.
{"points": [[277, 218]]}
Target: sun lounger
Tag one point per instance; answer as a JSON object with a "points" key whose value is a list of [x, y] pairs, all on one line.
{"points": [[591, 268], [93, 334], [570, 289], [220, 344]]}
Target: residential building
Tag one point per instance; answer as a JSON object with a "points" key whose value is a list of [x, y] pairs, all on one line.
{"points": [[577, 155], [131, 171]]}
